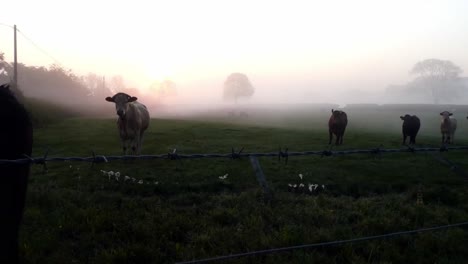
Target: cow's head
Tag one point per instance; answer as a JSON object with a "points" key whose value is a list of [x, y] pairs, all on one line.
{"points": [[445, 114], [405, 117], [338, 113], [121, 100]]}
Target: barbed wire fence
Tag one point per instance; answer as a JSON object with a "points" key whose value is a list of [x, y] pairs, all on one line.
{"points": [[281, 154]]}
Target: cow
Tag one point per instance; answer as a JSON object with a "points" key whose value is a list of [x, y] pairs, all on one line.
{"points": [[448, 126], [410, 128], [337, 125], [16, 139], [132, 122]]}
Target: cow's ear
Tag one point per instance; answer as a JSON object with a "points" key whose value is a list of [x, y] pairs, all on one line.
{"points": [[5, 86], [332, 111], [109, 99], [450, 114], [402, 118], [132, 99], [441, 114]]}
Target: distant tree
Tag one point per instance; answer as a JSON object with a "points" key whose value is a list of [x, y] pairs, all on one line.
{"points": [[2, 64], [237, 85], [117, 83], [441, 77], [164, 89]]}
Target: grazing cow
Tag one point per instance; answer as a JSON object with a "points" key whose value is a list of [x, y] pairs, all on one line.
{"points": [[448, 126], [132, 123], [16, 138], [410, 128], [337, 125]]}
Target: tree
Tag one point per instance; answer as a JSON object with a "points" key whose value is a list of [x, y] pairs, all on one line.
{"points": [[237, 85], [441, 77], [166, 88]]}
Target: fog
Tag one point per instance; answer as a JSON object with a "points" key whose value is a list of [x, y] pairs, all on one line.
{"points": [[294, 53]]}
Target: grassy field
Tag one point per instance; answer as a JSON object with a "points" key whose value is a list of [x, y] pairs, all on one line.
{"points": [[183, 211]]}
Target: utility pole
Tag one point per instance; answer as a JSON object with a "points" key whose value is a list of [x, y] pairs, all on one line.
{"points": [[15, 63]]}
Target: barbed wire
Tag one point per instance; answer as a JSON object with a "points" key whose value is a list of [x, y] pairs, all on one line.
{"points": [[233, 155], [331, 243]]}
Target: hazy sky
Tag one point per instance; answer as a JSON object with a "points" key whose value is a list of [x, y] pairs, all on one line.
{"points": [[289, 49]]}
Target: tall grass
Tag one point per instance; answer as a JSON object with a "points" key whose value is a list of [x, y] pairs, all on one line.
{"points": [[183, 210]]}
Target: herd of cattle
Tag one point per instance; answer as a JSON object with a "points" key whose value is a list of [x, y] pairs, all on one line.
{"points": [[16, 140], [410, 128]]}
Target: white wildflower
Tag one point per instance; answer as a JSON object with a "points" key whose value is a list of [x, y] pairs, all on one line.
{"points": [[295, 185], [126, 178], [300, 175], [104, 172], [70, 166], [323, 186], [290, 185], [315, 186], [310, 187], [301, 185], [133, 179], [156, 183], [111, 173], [223, 177], [117, 174], [140, 182]]}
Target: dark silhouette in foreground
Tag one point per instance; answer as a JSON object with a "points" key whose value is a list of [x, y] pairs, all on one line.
{"points": [[16, 138]]}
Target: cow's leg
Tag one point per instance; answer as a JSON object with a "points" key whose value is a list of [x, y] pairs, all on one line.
{"points": [[124, 147], [331, 136], [404, 139], [140, 143]]}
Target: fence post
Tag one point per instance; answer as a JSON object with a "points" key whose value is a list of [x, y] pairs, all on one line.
{"points": [[260, 177]]}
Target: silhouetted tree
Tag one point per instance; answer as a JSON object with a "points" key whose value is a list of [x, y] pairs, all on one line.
{"points": [[237, 85], [441, 77]]}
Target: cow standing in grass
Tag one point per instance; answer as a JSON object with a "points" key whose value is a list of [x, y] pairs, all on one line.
{"points": [[410, 128], [448, 126], [337, 125], [16, 138], [132, 123]]}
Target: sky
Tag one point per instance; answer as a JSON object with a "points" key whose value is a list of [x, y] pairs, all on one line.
{"points": [[292, 51]]}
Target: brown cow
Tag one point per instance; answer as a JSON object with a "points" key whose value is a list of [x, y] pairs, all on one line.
{"points": [[337, 125], [133, 121], [16, 139]]}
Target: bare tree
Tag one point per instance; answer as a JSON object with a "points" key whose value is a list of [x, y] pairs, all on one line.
{"points": [[237, 85], [440, 76]]}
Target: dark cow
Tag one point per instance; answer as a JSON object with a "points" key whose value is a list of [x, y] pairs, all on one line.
{"points": [[410, 128], [16, 137], [337, 125], [132, 123]]}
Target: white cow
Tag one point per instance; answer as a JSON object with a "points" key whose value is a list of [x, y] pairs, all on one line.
{"points": [[448, 126], [132, 123]]}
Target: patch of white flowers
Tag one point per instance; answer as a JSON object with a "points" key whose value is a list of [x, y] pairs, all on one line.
{"points": [[116, 176], [223, 177], [301, 187]]}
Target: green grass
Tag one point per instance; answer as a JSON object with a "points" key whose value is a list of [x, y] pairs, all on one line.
{"points": [[74, 214]]}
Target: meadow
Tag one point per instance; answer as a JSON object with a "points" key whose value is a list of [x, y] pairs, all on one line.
{"points": [[179, 210]]}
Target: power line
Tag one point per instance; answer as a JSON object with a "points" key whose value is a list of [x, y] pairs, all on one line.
{"points": [[332, 243], [39, 48], [6, 25]]}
